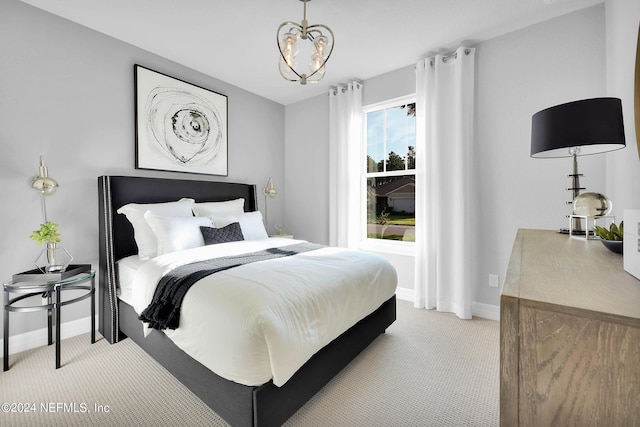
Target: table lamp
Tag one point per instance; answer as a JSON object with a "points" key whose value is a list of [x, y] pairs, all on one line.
{"points": [[578, 128]]}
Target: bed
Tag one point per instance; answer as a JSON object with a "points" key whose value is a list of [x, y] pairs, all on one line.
{"points": [[264, 404]]}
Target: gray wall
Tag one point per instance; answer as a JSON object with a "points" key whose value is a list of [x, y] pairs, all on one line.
{"points": [[307, 169], [66, 92], [517, 74]]}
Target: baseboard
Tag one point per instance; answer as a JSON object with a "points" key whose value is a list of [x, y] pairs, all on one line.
{"points": [[405, 294], [486, 311], [37, 338]]}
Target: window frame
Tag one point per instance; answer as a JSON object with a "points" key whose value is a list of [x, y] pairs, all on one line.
{"points": [[397, 247]]}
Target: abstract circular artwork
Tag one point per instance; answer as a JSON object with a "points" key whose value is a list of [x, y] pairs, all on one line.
{"points": [[186, 128], [179, 126]]}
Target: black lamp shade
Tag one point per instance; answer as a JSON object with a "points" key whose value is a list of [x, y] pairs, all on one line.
{"points": [[594, 125]]}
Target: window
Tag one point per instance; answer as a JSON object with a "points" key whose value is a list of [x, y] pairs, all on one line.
{"points": [[389, 180]]}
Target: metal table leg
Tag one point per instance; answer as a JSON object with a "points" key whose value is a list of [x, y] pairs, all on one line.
{"points": [[6, 332], [93, 310], [49, 320], [57, 314]]}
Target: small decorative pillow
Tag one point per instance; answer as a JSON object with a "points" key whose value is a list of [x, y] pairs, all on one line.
{"points": [[228, 233], [229, 207], [142, 233], [176, 233], [250, 223]]}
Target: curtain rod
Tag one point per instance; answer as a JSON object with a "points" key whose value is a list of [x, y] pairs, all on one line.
{"points": [[344, 87], [454, 55]]}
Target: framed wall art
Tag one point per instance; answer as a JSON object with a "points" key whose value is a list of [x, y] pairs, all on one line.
{"points": [[179, 126], [637, 92]]}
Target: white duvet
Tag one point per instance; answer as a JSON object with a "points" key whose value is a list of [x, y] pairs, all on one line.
{"points": [[264, 320]]}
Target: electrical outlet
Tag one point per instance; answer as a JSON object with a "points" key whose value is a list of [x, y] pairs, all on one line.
{"points": [[494, 281]]}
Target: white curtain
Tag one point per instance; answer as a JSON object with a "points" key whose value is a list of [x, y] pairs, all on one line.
{"points": [[444, 150], [345, 129]]}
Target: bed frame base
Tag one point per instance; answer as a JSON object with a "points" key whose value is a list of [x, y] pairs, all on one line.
{"points": [[265, 405], [239, 405]]}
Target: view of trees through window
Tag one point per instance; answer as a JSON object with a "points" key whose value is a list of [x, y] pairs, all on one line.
{"points": [[390, 172]]}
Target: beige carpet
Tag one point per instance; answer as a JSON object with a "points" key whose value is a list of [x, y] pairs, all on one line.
{"points": [[429, 369]]}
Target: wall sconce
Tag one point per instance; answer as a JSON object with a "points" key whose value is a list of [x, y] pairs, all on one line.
{"points": [[269, 192], [45, 185]]}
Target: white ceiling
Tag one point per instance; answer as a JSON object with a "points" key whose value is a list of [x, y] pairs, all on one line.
{"points": [[235, 41]]}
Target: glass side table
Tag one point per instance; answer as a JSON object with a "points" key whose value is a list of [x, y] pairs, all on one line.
{"points": [[50, 292]]}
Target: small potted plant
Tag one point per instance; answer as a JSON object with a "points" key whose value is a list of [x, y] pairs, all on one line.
{"points": [[48, 233], [612, 238]]}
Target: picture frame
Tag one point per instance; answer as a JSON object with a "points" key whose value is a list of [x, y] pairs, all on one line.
{"points": [[637, 92], [180, 127]]}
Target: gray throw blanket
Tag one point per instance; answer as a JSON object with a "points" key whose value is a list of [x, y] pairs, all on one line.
{"points": [[164, 310]]}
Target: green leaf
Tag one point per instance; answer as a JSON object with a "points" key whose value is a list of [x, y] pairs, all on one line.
{"points": [[618, 233], [48, 233], [601, 232], [613, 233]]}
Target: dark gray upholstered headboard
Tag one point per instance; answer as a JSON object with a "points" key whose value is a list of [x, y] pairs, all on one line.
{"points": [[116, 234]]}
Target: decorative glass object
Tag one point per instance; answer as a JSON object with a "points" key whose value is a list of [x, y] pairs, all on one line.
{"points": [[54, 258], [592, 205]]}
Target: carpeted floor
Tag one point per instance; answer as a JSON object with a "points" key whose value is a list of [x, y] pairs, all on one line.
{"points": [[429, 369]]}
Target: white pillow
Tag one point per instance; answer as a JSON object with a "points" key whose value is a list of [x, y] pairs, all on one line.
{"points": [[176, 233], [142, 233], [250, 223], [219, 209]]}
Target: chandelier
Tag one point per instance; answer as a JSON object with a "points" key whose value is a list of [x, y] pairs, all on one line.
{"points": [[318, 47]]}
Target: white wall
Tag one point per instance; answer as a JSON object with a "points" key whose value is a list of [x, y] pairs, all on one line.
{"points": [[517, 75], [306, 169], [66, 92], [396, 84]]}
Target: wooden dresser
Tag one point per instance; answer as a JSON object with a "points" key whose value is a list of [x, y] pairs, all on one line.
{"points": [[569, 335]]}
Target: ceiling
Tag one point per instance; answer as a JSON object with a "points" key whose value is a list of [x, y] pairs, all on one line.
{"points": [[235, 41]]}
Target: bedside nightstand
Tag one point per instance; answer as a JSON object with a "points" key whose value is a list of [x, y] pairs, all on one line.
{"points": [[51, 289]]}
